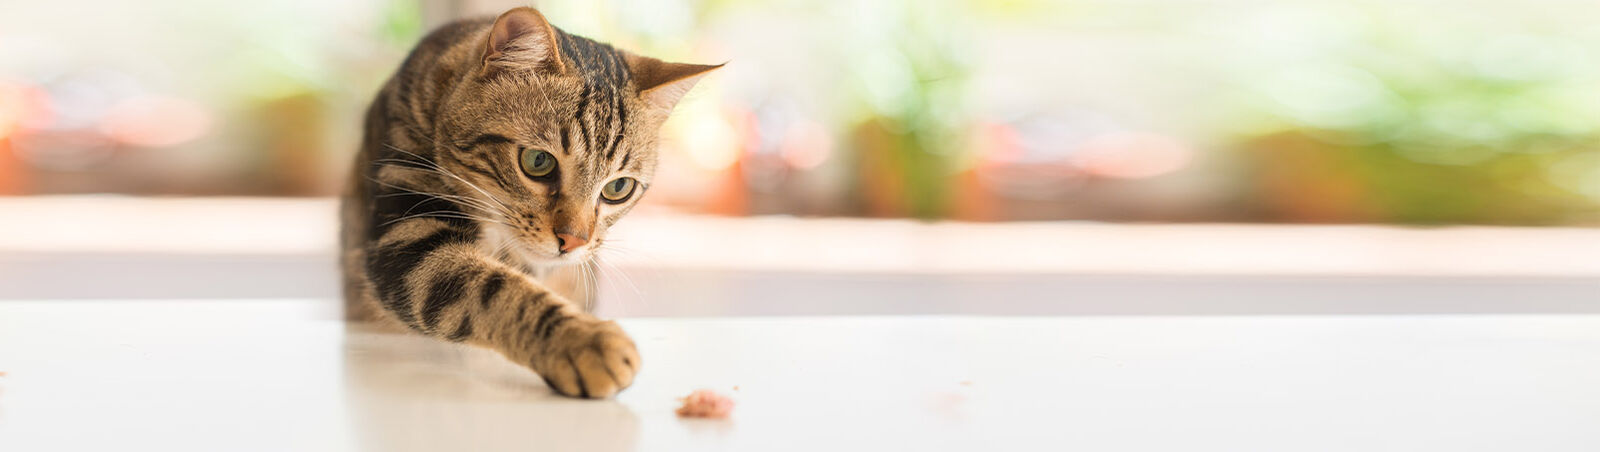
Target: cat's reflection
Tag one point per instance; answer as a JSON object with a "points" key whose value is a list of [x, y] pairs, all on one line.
{"points": [[406, 392]]}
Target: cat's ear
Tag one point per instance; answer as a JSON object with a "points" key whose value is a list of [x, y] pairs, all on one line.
{"points": [[662, 84], [522, 39]]}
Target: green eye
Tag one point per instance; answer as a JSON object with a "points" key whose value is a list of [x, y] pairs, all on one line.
{"points": [[618, 190], [537, 163]]}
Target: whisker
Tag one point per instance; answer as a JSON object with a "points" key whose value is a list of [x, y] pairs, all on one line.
{"points": [[475, 202], [447, 172], [463, 200], [438, 215], [454, 215], [648, 267], [391, 163], [432, 196], [442, 171], [604, 268], [584, 293], [613, 272]]}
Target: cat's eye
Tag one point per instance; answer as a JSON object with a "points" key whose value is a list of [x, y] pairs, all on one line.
{"points": [[618, 190], [537, 163]]}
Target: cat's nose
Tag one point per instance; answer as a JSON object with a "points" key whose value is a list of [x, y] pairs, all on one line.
{"points": [[569, 242]]}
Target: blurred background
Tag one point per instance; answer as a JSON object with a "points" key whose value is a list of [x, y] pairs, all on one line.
{"points": [[1149, 154]]}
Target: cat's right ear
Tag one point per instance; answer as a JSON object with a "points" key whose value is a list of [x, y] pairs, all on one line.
{"points": [[522, 40]]}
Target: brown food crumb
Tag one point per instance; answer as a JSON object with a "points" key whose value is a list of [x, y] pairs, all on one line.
{"points": [[706, 403]]}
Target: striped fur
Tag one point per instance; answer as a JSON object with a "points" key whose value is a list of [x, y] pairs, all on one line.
{"points": [[445, 235]]}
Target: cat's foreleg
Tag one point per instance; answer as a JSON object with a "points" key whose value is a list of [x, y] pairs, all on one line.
{"points": [[430, 275]]}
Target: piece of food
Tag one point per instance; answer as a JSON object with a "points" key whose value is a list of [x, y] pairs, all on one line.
{"points": [[706, 403]]}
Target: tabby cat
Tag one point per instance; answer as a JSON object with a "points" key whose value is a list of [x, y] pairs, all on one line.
{"points": [[502, 149]]}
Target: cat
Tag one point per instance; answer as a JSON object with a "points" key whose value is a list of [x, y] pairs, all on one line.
{"points": [[502, 148]]}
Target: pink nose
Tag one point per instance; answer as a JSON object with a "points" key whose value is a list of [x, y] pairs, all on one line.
{"points": [[569, 242]]}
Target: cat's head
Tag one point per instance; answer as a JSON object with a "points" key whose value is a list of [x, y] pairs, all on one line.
{"points": [[555, 133]]}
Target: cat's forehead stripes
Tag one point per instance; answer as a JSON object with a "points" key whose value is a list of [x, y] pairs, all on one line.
{"points": [[601, 116], [601, 66]]}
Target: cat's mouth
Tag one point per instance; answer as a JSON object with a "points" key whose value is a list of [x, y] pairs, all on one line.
{"points": [[536, 254], [571, 258], [519, 249], [547, 256]]}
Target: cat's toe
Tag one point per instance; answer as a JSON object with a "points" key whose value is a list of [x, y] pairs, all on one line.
{"points": [[595, 360]]}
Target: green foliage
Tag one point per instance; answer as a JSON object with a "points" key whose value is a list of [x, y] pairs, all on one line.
{"points": [[402, 23], [1441, 121], [909, 81]]}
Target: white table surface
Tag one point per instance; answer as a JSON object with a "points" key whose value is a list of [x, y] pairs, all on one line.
{"points": [[279, 375]]}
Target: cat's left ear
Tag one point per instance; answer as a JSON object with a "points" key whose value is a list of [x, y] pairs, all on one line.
{"points": [[662, 84], [522, 39]]}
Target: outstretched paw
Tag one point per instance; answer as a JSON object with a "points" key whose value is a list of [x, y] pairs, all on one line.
{"points": [[588, 358]]}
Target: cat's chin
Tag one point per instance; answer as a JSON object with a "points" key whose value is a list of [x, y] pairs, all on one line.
{"points": [[533, 259], [558, 261]]}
